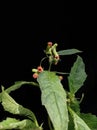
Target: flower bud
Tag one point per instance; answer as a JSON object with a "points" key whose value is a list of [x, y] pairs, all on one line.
{"points": [[35, 75], [34, 70], [57, 57], [61, 77], [49, 44], [40, 69]]}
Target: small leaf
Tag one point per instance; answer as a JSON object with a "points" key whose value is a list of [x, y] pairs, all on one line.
{"points": [[12, 123], [90, 119], [54, 99], [68, 52], [77, 75], [13, 107], [79, 123]]}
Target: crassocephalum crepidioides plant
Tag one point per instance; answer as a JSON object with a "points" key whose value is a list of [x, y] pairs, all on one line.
{"points": [[62, 106]]}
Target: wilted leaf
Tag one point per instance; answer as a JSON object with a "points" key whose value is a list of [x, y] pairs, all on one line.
{"points": [[12, 123], [54, 99], [17, 85], [13, 107]]}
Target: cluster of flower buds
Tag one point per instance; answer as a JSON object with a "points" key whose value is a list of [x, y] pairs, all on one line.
{"points": [[52, 53], [37, 71]]}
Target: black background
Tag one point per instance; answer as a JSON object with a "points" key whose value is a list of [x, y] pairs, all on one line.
{"points": [[25, 32]]}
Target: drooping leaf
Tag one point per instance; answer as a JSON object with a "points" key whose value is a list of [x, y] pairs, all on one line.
{"points": [[77, 75], [17, 85], [13, 107], [54, 99], [68, 52], [79, 124], [90, 119], [12, 123]]}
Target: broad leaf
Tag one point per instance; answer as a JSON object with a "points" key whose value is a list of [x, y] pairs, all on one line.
{"points": [[77, 75], [79, 124], [69, 52], [90, 119], [13, 107], [12, 123], [54, 99], [17, 85]]}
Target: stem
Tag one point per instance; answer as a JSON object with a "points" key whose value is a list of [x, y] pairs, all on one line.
{"points": [[42, 60], [50, 66], [61, 72], [81, 98]]}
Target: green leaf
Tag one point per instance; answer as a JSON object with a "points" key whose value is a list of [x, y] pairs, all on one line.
{"points": [[69, 52], [75, 106], [54, 99], [17, 85], [12, 123], [71, 124], [73, 102], [77, 75], [90, 119], [13, 107], [79, 124]]}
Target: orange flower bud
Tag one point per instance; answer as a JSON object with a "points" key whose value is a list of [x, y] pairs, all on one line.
{"points": [[35, 75], [49, 44], [40, 69], [57, 57]]}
